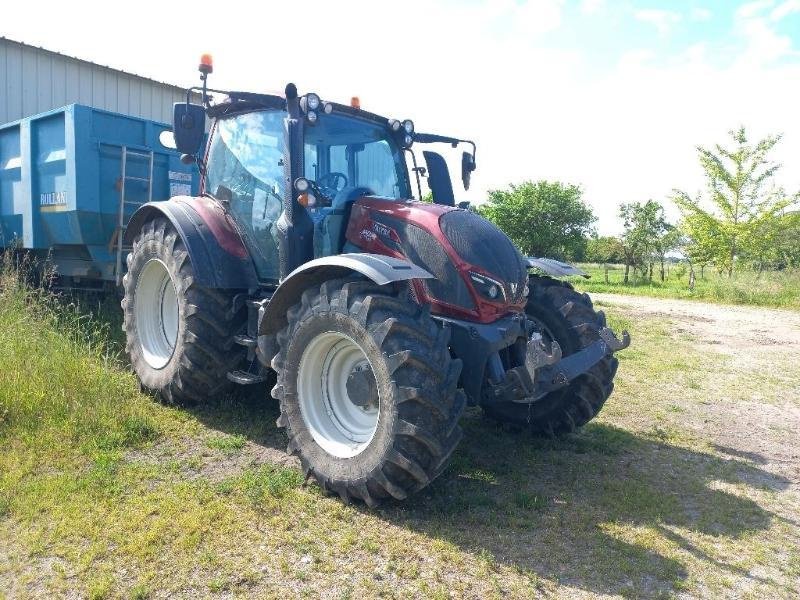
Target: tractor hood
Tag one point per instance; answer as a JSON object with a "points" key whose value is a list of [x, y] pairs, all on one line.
{"points": [[480, 275]]}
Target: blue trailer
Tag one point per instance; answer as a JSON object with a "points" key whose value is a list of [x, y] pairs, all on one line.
{"points": [[71, 178]]}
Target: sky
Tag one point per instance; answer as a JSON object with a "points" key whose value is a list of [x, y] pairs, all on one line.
{"points": [[613, 96]]}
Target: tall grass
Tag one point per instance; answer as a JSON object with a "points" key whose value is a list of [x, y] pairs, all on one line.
{"points": [[769, 288], [61, 381]]}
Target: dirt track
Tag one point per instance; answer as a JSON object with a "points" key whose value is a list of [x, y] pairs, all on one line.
{"points": [[759, 421]]}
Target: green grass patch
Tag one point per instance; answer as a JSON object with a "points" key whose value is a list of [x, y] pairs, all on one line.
{"points": [[227, 443], [106, 493], [780, 289]]}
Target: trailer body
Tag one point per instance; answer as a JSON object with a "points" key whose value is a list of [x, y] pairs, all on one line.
{"points": [[71, 178]]}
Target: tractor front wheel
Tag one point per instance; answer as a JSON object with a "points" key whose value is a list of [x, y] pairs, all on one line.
{"points": [[367, 390]]}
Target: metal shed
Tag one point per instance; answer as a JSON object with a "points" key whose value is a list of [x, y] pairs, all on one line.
{"points": [[34, 80]]}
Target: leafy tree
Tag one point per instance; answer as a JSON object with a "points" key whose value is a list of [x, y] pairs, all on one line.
{"points": [[788, 240], [669, 240], [644, 227], [604, 249], [743, 219], [543, 218]]}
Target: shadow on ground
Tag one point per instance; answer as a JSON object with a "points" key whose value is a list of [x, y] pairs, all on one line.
{"points": [[580, 511]]}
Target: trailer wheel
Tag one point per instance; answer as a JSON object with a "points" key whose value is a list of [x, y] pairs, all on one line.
{"points": [[179, 335], [367, 390], [568, 317]]}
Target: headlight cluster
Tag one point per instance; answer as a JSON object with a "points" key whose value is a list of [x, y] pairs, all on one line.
{"points": [[488, 287], [404, 131], [310, 104]]}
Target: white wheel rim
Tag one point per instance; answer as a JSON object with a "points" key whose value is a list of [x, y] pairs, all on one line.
{"points": [[340, 427], [156, 313]]}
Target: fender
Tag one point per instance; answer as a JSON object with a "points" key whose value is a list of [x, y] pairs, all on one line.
{"points": [[554, 267], [219, 257], [380, 269]]}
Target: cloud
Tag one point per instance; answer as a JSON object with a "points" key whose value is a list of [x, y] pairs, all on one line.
{"points": [[591, 7], [785, 9], [763, 44], [662, 20], [700, 14]]}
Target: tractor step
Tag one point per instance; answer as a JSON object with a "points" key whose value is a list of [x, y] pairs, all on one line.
{"points": [[245, 378], [246, 341]]}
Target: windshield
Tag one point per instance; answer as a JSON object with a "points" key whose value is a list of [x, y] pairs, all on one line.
{"points": [[343, 152]]}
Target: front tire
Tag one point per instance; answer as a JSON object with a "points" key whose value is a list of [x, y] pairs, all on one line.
{"points": [[568, 317], [179, 335], [367, 391]]}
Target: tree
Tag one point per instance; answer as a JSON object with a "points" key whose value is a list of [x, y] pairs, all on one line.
{"points": [[743, 220], [669, 240], [542, 218], [604, 249], [788, 240], [644, 227]]}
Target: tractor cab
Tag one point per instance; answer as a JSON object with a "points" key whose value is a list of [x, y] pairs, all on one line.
{"points": [[296, 164]]}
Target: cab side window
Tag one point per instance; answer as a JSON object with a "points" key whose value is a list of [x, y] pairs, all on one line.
{"points": [[245, 164]]}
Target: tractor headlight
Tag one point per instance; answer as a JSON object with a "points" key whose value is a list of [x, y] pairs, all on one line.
{"points": [[328, 108], [408, 125], [311, 116], [487, 287], [395, 125], [407, 141], [312, 101]]}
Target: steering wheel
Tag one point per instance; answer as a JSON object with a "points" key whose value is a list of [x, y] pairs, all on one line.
{"points": [[329, 183]]}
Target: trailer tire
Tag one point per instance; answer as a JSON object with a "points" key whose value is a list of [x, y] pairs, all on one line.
{"points": [[570, 318], [179, 335], [407, 426]]}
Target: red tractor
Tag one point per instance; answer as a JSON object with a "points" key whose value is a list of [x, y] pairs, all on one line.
{"points": [[382, 317]]}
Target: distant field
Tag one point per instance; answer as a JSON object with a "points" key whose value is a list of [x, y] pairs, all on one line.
{"points": [[771, 288], [686, 485]]}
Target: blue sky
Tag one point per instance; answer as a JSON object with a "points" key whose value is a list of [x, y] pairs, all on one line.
{"points": [[612, 95]]}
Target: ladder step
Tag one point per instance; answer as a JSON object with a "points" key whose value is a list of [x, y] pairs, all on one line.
{"points": [[246, 341], [244, 378], [135, 203], [132, 178], [138, 153]]}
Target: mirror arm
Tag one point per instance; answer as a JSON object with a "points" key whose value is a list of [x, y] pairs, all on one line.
{"points": [[416, 171]]}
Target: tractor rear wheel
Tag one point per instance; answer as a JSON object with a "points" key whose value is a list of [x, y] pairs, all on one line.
{"points": [[567, 317], [367, 390], [179, 334]]}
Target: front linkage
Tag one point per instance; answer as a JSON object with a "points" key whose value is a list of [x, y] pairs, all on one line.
{"points": [[545, 372], [490, 352]]}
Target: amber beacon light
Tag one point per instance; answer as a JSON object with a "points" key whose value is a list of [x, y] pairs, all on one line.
{"points": [[206, 64]]}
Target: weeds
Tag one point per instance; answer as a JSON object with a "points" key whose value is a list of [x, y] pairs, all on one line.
{"points": [[779, 289]]}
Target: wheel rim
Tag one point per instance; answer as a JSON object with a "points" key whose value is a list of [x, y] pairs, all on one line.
{"points": [[156, 314], [340, 426]]}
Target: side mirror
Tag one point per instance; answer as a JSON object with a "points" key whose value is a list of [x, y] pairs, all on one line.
{"points": [[467, 167], [189, 125]]}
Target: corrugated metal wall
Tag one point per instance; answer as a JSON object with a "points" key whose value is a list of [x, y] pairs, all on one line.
{"points": [[34, 80]]}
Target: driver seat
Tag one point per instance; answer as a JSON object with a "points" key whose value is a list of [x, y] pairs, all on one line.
{"points": [[329, 231]]}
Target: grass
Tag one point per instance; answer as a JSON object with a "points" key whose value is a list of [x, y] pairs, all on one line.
{"points": [[105, 493], [780, 289]]}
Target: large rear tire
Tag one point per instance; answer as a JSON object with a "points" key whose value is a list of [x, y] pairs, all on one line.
{"points": [[179, 334], [568, 317], [367, 390]]}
